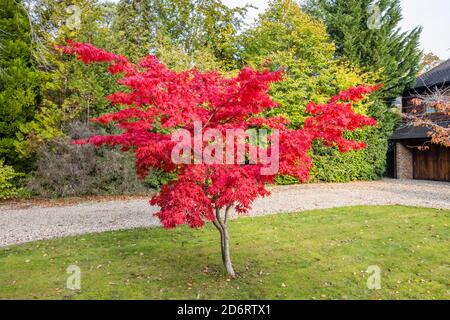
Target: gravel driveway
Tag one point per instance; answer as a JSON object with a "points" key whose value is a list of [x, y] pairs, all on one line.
{"points": [[22, 225]]}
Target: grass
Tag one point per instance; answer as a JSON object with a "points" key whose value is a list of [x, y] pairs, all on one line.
{"points": [[322, 254]]}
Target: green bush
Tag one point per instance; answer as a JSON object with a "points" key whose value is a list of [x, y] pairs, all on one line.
{"points": [[332, 166], [368, 164], [8, 182]]}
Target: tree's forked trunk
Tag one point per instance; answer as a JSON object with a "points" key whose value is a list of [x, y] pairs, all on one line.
{"points": [[221, 225]]}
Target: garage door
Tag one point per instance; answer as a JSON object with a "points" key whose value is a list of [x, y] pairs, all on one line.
{"points": [[432, 164]]}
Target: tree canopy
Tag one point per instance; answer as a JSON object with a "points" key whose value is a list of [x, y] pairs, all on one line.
{"points": [[20, 82]]}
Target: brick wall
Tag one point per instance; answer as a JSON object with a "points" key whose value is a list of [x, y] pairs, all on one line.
{"points": [[404, 159]]}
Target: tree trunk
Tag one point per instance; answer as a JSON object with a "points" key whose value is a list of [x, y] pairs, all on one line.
{"points": [[221, 225], [226, 253]]}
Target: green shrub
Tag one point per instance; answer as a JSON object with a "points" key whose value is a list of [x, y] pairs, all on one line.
{"points": [[332, 166], [8, 182], [157, 178], [368, 164]]}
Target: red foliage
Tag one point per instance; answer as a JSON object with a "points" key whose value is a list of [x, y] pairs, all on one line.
{"points": [[159, 100]]}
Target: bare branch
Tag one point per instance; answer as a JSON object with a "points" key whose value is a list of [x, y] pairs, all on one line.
{"points": [[431, 109]]}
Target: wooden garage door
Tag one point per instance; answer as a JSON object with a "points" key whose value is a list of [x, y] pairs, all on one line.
{"points": [[432, 164]]}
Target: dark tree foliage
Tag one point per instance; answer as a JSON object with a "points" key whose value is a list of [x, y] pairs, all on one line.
{"points": [[367, 32], [19, 82]]}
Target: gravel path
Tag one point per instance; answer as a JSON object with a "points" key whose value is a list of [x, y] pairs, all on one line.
{"points": [[22, 225]]}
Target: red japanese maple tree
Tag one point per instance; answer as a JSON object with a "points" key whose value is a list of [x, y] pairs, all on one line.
{"points": [[157, 102]]}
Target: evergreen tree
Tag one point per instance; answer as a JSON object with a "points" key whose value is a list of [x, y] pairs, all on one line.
{"points": [[20, 82], [366, 32]]}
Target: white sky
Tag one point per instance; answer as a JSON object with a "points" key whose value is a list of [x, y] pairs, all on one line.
{"points": [[432, 15]]}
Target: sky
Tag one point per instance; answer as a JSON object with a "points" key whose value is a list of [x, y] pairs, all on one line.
{"points": [[432, 15]]}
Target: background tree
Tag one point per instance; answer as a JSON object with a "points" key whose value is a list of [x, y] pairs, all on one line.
{"points": [[20, 84], [429, 61], [175, 57], [159, 101], [367, 33], [285, 36], [431, 109], [73, 90], [182, 33], [206, 35], [191, 25]]}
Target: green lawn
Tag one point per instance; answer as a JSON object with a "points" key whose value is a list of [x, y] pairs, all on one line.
{"points": [[319, 254]]}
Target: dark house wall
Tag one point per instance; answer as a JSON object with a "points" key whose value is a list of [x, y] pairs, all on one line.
{"points": [[406, 159]]}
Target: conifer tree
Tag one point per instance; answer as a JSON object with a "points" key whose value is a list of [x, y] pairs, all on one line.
{"points": [[19, 81], [367, 32]]}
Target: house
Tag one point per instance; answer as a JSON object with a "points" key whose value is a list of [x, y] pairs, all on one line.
{"points": [[407, 159]]}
